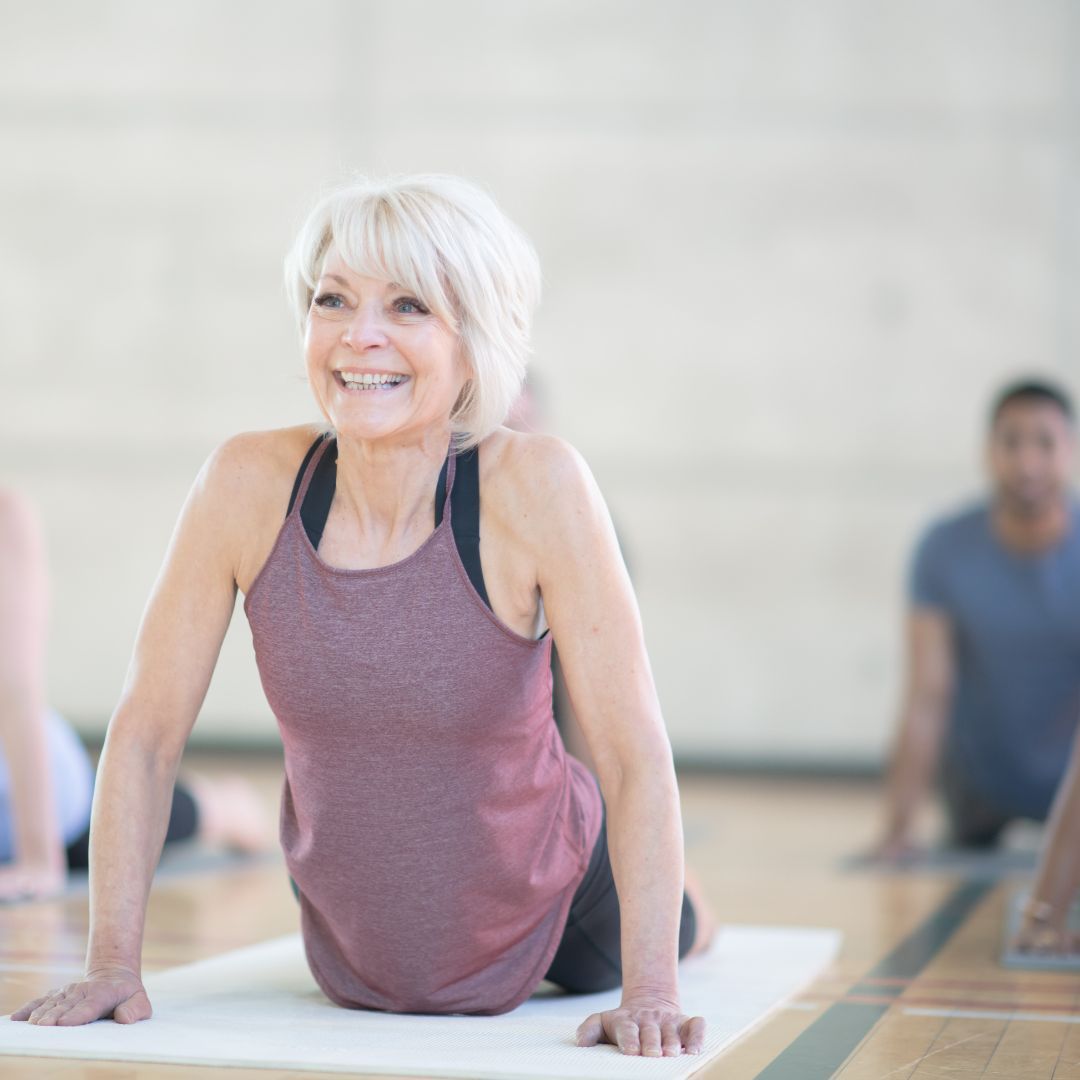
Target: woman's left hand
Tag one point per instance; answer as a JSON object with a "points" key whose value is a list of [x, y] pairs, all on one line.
{"points": [[651, 1027]]}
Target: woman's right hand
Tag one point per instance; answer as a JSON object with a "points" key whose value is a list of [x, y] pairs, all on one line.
{"points": [[117, 993]]}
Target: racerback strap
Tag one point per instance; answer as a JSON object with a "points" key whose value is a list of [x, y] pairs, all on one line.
{"points": [[465, 517]]}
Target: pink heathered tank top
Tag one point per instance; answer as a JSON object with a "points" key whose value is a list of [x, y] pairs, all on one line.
{"points": [[430, 817]]}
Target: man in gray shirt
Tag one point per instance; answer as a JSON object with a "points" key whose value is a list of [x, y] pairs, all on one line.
{"points": [[992, 696]]}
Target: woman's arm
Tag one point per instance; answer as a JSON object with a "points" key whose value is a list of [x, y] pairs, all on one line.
{"points": [[175, 653], [593, 614], [38, 867]]}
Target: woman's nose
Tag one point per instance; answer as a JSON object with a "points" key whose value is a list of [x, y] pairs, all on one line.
{"points": [[365, 329]]}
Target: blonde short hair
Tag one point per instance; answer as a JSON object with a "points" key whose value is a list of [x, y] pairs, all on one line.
{"points": [[446, 240]]}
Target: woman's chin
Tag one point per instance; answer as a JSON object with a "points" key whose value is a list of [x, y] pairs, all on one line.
{"points": [[348, 427], [354, 424]]}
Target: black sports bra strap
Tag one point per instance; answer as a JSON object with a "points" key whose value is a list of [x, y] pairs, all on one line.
{"points": [[302, 470], [315, 508], [440, 492], [465, 518]]}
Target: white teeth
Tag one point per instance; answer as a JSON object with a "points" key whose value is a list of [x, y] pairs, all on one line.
{"points": [[367, 381]]}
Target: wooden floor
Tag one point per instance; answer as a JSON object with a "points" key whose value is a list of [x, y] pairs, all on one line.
{"points": [[767, 852]]}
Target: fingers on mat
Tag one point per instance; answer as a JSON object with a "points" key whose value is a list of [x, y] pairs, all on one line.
{"points": [[693, 1034], [136, 1008], [626, 1036], [589, 1033], [649, 1039], [671, 1040], [28, 1008]]}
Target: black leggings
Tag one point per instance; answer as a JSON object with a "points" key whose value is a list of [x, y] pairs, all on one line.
{"points": [[183, 824], [589, 957]]}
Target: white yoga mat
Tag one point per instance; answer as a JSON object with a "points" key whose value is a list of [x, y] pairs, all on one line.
{"points": [[259, 1007]]}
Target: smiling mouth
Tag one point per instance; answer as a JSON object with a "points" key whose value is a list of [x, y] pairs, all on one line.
{"points": [[359, 384]]}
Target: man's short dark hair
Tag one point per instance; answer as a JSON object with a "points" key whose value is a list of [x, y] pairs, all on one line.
{"points": [[1034, 391]]}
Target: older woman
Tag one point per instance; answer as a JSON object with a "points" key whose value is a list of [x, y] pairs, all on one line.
{"points": [[447, 853]]}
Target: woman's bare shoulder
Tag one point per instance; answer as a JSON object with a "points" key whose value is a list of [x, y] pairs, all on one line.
{"points": [[534, 480], [530, 463], [255, 467], [244, 488]]}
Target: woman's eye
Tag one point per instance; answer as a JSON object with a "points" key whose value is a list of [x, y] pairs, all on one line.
{"points": [[408, 306], [329, 300]]}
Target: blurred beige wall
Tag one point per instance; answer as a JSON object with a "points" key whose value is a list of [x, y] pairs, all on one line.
{"points": [[789, 250]]}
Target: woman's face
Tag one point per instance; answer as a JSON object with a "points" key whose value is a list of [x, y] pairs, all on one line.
{"points": [[379, 363]]}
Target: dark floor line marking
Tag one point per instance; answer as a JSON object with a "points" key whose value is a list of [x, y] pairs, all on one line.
{"points": [[826, 1044], [916, 950], [865, 989]]}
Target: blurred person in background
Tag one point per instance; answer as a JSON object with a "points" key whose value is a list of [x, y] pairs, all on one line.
{"points": [[46, 778], [993, 637]]}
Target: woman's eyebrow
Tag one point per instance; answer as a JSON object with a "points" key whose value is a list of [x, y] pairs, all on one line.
{"points": [[335, 277], [393, 285]]}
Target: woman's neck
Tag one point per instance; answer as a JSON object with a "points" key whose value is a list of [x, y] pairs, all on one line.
{"points": [[388, 488]]}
